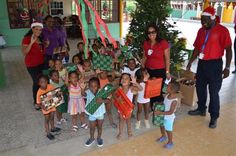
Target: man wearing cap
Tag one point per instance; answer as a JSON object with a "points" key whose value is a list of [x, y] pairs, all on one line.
{"points": [[211, 42]]}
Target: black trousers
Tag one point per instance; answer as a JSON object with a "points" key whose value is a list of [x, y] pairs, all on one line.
{"points": [[158, 73], [35, 72], [209, 73], [46, 60]]}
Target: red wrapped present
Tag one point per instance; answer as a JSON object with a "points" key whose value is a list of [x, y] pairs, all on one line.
{"points": [[153, 88], [123, 104]]}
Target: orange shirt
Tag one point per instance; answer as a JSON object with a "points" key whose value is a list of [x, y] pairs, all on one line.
{"points": [[103, 82], [39, 93]]}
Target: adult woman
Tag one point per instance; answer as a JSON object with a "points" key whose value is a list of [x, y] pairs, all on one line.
{"points": [[33, 50], [156, 57], [50, 35], [61, 31]]}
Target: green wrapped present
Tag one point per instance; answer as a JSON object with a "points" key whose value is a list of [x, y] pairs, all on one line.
{"points": [[71, 67], [46, 72], [92, 107], [63, 107], [158, 120], [102, 62]]}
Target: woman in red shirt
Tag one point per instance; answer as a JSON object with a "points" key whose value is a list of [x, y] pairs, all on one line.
{"points": [[33, 50], [156, 57]]}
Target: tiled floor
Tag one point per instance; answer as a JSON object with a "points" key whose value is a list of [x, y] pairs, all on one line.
{"points": [[192, 137]]}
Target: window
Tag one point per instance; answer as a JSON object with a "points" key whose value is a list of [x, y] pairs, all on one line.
{"points": [[56, 8], [108, 10]]}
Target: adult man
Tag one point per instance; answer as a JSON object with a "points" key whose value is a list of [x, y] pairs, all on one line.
{"points": [[211, 41]]}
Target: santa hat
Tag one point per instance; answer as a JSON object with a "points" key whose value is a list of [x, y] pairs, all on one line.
{"points": [[209, 11], [35, 24]]}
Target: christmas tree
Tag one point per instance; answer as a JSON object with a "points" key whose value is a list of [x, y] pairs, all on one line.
{"points": [[156, 11]]}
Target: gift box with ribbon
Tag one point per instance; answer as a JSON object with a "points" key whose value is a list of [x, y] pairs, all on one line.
{"points": [[92, 107], [123, 104]]}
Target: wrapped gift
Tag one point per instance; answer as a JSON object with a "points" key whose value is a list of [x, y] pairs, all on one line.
{"points": [[92, 107], [46, 72], [153, 88], [71, 67], [52, 99], [158, 120], [102, 62], [123, 104], [60, 50]]}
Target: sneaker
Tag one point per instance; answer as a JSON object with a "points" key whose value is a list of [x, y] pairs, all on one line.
{"points": [[213, 123], [162, 139], [99, 142], [56, 129], [147, 123], [168, 145], [37, 107], [50, 136], [197, 112], [137, 125], [89, 142], [63, 120]]}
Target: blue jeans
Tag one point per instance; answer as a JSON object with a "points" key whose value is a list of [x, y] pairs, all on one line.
{"points": [[209, 73]]}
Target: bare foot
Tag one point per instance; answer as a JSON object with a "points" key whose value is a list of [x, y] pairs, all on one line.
{"points": [[118, 136], [130, 134]]}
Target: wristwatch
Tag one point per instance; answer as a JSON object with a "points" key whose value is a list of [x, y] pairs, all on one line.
{"points": [[228, 68]]}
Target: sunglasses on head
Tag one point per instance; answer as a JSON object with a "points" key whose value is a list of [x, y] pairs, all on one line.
{"points": [[152, 32]]}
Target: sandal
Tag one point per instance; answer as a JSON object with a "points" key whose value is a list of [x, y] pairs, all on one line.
{"points": [[168, 145], [84, 126], [113, 125], [162, 139], [75, 128]]}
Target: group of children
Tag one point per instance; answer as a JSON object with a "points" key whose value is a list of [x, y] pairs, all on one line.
{"points": [[84, 83]]}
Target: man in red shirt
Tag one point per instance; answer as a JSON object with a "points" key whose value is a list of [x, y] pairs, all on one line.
{"points": [[211, 41]]}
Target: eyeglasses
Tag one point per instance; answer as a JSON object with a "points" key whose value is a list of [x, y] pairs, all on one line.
{"points": [[152, 32]]}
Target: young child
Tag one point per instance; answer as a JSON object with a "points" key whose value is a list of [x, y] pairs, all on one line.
{"points": [[80, 47], [62, 71], [77, 60], [130, 88], [170, 103], [95, 120], [143, 103], [44, 87], [76, 104], [56, 83], [103, 80], [87, 71], [51, 64], [131, 67]]}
